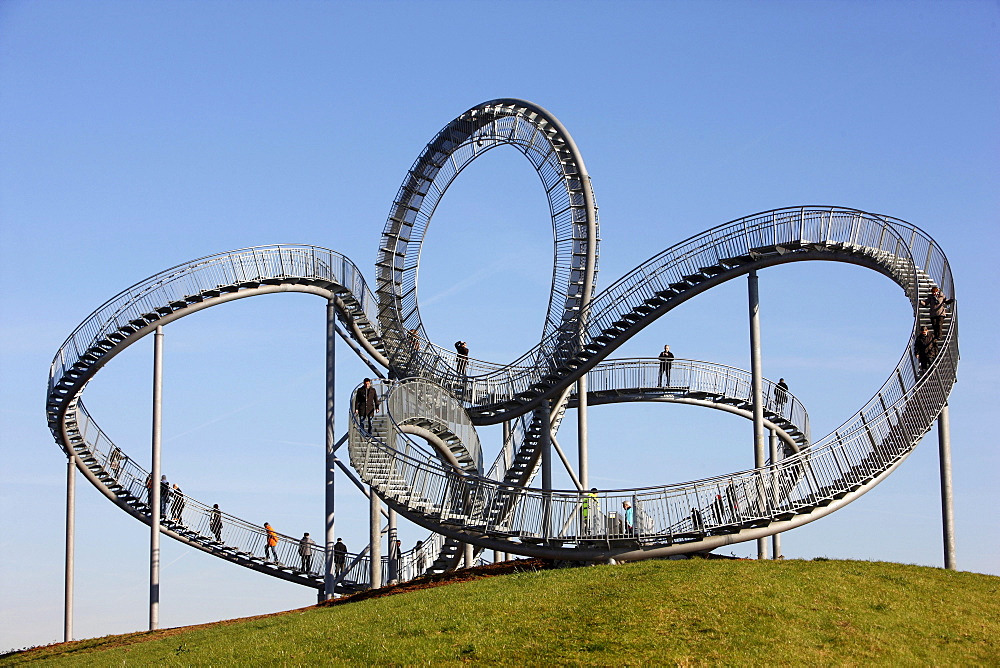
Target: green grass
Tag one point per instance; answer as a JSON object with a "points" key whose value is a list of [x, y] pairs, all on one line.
{"points": [[697, 612]]}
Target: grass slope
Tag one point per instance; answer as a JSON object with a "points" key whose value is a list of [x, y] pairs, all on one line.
{"points": [[649, 613]]}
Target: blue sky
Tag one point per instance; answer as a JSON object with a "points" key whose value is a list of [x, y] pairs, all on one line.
{"points": [[136, 136]]}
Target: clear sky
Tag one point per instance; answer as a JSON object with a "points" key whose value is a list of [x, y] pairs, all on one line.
{"points": [[137, 136]]}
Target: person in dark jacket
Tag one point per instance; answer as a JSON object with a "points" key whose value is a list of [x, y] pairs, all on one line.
{"points": [[666, 363], [781, 394], [340, 556], [924, 347], [937, 304], [463, 357], [366, 403]]}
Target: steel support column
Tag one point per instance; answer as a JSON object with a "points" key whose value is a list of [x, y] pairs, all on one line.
{"points": [[470, 555], [581, 432], [546, 447], [757, 388], [70, 547], [154, 483], [776, 538], [508, 457], [947, 507], [375, 539], [329, 537]]}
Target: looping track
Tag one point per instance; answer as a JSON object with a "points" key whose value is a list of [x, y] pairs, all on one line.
{"points": [[445, 487]]}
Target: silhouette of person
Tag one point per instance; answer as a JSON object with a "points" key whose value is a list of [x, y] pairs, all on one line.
{"points": [[666, 363], [215, 522], [463, 357], [339, 556], [781, 394]]}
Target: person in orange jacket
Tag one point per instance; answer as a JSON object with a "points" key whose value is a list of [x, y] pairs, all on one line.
{"points": [[270, 548]]}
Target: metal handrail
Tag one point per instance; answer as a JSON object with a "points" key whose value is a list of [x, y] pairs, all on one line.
{"points": [[492, 384], [187, 281], [866, 446]]}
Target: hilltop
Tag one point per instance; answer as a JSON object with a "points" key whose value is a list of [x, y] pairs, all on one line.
{"points": [[691, 612]]}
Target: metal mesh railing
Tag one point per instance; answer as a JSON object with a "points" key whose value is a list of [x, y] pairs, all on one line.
{"points": [[901, 247], [224, 271], [867, 445]]}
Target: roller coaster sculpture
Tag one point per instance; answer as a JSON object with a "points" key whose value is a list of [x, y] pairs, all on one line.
{"points": [[423, 458]]}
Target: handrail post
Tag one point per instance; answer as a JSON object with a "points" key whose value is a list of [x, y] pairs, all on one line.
{"points": [[757, 387], [947, 507], [329, 575], [70, 548], [154, 483]]}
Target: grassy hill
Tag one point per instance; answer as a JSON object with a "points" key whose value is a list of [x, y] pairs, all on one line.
{"points": [[684, 613]]}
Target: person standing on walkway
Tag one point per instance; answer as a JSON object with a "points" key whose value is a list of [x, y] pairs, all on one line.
{"points": [[588, 511], [339, 556], [463, 357], [115, 461], [215, 522], [164, 497], [666, 363], [271, 544], [177, 506], [306, 545], [365, 404], [780, 394], [628, 515]]}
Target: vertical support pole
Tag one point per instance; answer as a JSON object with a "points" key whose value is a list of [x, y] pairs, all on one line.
{"points": [[393, 550], [375, 532], [154, 483], [508, 449], [947, 508], [470, 555], [757, 388], [70, 547], [776, 538], [546, 447], [581, 432], [329, 576]]}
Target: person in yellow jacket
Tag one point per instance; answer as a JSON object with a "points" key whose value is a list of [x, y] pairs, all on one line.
{"points": [[270, 547], [588, 510]]}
